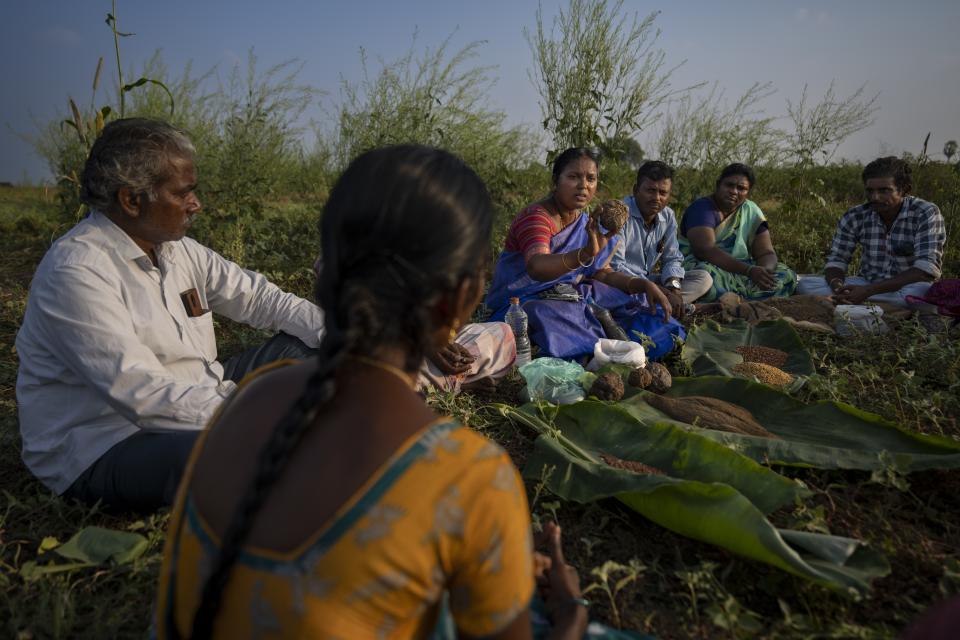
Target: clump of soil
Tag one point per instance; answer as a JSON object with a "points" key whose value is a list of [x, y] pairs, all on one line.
{"points": [[764, 373], [613, 214], [661, 378], [640, 378], [763, 355], [630, 465], [804, 308], [607, 386], [710, 413]]}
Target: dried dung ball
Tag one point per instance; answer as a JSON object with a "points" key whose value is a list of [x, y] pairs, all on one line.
{"points": [[607, 386], [613, 214], [763, 355], [640, 378], [630, 465], [661, 378], [764, 373]]}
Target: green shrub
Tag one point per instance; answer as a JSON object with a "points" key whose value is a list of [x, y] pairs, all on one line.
{"points": [[436, 99]]}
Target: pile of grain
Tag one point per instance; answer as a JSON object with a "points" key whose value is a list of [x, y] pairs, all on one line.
{"points": [[630, 465], [763, 355], [709, 413], [804, 308], [613, 214], [764, 373]]}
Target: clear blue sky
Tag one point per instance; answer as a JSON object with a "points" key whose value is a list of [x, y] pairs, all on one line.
{"points": [[908, 52]]}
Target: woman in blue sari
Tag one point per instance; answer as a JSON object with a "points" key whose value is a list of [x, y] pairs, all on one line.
{"points": [[556, 261]]}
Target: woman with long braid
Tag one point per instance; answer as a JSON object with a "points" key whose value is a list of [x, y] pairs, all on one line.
{"points": [[326, 499]]}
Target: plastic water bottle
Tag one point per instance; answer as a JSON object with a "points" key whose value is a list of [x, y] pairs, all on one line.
{"points": [[517, 319], [610, 326]]}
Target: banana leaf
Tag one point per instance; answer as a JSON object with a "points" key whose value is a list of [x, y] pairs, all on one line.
{"points": [[708, 495], [826, 434], [711, 348], [677, 452]]}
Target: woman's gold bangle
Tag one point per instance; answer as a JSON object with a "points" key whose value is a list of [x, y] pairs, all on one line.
{"points": [[580, 262], [563, 259]]}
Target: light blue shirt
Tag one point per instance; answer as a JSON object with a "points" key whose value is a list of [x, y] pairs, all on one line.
{"points": [[641, 247]]}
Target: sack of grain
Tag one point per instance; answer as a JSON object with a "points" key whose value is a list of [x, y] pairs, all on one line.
{"points": [[607, 351], [850, 319]]}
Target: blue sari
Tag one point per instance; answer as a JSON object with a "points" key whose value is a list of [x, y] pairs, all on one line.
{"points": [[567, 329]]}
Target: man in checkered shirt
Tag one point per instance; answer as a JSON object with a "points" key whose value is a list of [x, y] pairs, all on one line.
{"points": [[901, 242]]}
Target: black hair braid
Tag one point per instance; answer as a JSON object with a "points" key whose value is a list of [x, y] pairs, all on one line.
{"points": [[418, 318], [276, 452], [270, 465], [374, 267], [364, 319]]}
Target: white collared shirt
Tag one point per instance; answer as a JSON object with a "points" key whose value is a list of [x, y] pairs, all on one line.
{"points": [[107, 348]]}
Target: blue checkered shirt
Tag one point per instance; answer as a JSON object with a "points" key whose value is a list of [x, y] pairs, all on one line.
{"points": [[641, 247], [915, 240]]}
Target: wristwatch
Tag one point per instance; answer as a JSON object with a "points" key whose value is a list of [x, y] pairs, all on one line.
{"points": [[672, 283]]}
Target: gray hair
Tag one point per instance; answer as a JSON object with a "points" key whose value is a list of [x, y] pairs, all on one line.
{"points": [[134, 153]]}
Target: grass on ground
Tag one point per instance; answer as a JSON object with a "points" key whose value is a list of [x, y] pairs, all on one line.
{"points": [[639, 575]]}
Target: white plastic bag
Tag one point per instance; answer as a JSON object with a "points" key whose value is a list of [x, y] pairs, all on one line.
{"points": [[617, 352], [850, 319]]}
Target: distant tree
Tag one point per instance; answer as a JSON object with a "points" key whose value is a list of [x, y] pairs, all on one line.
{"points": [[950, 149], [624, 149], [600, 78]]}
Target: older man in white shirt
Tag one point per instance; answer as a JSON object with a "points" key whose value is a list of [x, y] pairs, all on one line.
{"points": [[118, 360]]}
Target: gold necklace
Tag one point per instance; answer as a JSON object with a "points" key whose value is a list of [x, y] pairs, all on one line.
{"points": [[389, 368]]}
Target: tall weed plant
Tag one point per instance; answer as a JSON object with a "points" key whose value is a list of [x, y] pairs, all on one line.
{"points": [[703, 132], [246, 130], [65, 155], [254, 143], [600, 76], [437, 97]]}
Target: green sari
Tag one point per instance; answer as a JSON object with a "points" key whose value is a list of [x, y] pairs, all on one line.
{"points": [[735, 236]]}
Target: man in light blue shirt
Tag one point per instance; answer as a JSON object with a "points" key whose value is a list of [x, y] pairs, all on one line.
{"points": [[650, 236]]}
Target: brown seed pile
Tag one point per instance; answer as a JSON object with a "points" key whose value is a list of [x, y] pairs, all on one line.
{"points": [[613, 214], [709, 413], [607, 386], [764, 373], [630, 465], [764, 355], [804, 308]]}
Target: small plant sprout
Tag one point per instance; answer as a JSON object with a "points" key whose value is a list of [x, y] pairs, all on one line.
{"points": [[607, 582]]}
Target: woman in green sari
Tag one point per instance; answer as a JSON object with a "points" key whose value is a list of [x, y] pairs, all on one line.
{"points": [[727, 235]]}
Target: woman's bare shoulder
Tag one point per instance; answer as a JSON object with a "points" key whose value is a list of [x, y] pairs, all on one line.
{"points": [[259, 401]]}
